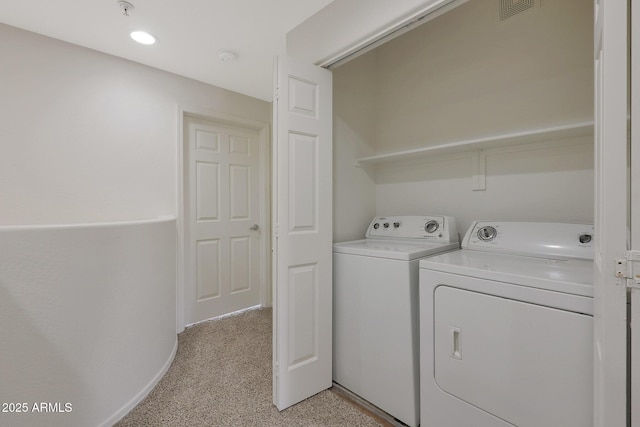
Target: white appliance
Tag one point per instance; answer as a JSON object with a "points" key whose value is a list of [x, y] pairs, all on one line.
{"points": [[506, 328], [375, 309]]}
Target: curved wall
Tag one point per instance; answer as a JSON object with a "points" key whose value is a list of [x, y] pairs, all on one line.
{"points": [[88, 315]]}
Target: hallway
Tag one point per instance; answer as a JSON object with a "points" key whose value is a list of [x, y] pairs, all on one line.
{"points": [[221, 376]]}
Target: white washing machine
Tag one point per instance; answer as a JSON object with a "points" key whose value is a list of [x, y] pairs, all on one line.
{"points": [[506, 328], [375, 309]]}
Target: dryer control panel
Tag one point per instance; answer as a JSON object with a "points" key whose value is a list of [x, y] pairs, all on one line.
{"points": [[438, 228], [540, 239]]}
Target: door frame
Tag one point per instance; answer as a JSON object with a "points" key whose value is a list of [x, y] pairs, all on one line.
{"points": [[263, 129], [610, 212]]}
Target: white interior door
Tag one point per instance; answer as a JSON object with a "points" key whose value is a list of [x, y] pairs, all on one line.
{"points": [[302, 239], [611, 218], [635, 211], [222, 230]]}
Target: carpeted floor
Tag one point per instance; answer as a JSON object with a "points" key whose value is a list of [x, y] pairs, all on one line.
{"points": [[221, 376]]}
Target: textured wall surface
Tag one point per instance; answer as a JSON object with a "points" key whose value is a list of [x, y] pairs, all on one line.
{"points": [[88, 316]]}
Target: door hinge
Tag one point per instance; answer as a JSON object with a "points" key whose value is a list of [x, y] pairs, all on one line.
{"points": [[629, 268]]}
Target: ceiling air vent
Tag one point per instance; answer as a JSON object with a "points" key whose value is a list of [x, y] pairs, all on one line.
{"points": [[509, 8]]}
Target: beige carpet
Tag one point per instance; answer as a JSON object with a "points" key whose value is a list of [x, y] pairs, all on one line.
{"points": [[221, 376]]}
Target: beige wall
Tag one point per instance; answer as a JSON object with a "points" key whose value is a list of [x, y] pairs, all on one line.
{"points": [[89, 137], [467, 75], [354, 104]]}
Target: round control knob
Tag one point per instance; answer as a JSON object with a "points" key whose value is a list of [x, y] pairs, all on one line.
{"points": [[585, 238], [487, 234], [385, 225], [376, 225], [396, 225], [431, 226]]}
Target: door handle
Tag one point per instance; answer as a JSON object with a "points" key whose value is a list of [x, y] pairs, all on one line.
{"points": [[454, 343], [254, 227]]}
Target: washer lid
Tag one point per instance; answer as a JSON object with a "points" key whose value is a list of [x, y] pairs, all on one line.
{"points": [[405, 249], [566, 275]]}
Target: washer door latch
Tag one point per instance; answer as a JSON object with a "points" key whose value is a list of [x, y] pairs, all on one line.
{"points": [[629, 268]]}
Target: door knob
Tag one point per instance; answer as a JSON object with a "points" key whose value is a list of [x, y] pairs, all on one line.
{"points": [[254, 227]]}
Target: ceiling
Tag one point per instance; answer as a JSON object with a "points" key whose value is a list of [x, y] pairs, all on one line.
{"points": [[190, 33]]}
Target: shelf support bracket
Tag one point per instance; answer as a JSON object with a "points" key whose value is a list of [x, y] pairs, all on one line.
{"points": [[479, 165]]}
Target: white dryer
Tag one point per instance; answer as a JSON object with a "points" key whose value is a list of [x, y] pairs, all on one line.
{"points": [[375, 309], [506, 328]]}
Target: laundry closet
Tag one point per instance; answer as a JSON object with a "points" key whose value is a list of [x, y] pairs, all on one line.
{"points": [[484, 112], [471, 115]]}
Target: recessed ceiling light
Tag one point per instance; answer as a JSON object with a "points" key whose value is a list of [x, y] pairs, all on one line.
{"points": [[143, 37]]}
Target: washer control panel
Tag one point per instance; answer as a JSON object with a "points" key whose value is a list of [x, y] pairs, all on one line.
{"points": [[440, 228], [542, 239]]}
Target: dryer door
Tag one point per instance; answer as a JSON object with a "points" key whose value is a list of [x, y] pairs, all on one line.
{"points": [[527, 364]]}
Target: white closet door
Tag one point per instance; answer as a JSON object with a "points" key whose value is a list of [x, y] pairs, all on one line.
{"points": [[303, 212], [635, 211], [611, 208]]}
